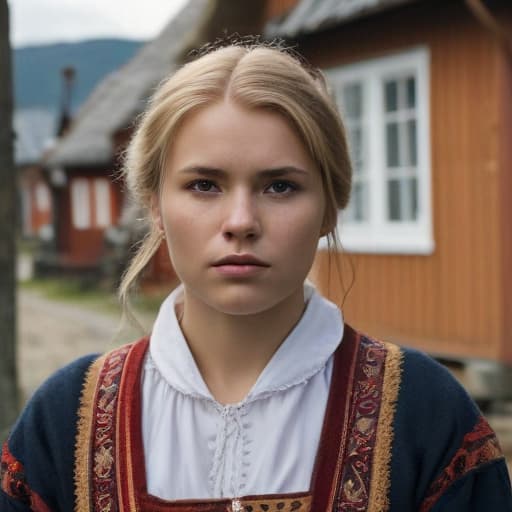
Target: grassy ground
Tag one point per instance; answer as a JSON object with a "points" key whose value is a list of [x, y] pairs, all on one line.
{"points": [[86, 294]]}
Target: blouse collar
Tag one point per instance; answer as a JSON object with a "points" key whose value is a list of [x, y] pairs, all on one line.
{"points": [[304, 352]]}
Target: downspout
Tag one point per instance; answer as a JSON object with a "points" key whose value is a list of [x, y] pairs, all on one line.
{"points": [[483, 14]]}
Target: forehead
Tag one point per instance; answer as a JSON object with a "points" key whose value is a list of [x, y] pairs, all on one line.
{"points": [[228, 136]]}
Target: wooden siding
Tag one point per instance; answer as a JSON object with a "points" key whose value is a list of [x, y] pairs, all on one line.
{"points": [[450, 302], [504, 105]]}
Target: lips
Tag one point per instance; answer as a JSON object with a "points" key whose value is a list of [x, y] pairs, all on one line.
{"points": [[240, 259], [240, 266]]}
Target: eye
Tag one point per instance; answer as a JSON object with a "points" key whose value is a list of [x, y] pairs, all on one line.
{"points": [[281, 187], [203, 186]]}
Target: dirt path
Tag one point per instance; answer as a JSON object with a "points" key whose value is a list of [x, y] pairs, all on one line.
{"points": [[53, 333]]}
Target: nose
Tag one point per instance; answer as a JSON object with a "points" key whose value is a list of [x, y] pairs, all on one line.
{"points": [[241, 219]]}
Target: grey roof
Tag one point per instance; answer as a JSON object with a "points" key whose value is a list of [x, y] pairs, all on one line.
{"points": [[35, 130], [122, 94], [314, 15]]}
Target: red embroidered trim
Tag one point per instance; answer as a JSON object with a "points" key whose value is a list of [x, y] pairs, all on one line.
{"points": [[354, 487], [12, 477], [103, 484], [478, 447], [13, 482]]}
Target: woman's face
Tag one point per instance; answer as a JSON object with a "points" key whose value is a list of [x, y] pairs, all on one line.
{"points": [[242, 207]]}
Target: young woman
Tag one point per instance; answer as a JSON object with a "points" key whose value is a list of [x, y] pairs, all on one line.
{"points": [[251, 393]]}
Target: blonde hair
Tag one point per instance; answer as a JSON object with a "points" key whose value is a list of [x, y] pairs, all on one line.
{"points": [[254, 76]]}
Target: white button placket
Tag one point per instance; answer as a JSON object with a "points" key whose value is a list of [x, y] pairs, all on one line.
{"points": [[221, 471], [229, 467]]}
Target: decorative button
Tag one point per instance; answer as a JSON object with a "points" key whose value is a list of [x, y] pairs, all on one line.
{"points": [[236, 505]]}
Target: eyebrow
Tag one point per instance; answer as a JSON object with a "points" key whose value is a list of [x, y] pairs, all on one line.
{"points": [[213, 172]]}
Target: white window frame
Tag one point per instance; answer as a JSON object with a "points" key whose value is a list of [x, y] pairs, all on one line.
{"points": [[80, 203], [378, 234]]}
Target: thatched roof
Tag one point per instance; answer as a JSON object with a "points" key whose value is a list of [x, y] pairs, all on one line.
{"points": [[121, 96], [314, 15]]}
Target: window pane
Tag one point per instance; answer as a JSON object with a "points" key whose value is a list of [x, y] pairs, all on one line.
{"points": [[357, 210], [412, 198], [403, 199], [392, 145], [358, 202], [411, 142], [411, 92], [356, 149], [102, 202], [352, 101], [391, 96], [80, 206], [394, 208]]}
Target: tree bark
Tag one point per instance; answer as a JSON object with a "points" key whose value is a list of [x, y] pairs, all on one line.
{"points": [[9, 397]]}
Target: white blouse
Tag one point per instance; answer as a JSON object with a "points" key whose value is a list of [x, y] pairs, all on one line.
{"points": [[196, 448]]}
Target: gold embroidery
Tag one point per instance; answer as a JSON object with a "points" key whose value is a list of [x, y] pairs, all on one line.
{"points": [[380, 479], [301, 504], [82, 452], [354, 490], [103, 461], [364, 424]]}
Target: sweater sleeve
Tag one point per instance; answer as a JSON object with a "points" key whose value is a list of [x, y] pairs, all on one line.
{"points": [[484, 489], [38, 458]]}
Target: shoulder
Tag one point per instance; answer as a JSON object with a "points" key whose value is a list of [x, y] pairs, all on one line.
{"points": [[430, 405], [56, 396], [431, 386], [434, 402], [59, 396], [423, 386]]}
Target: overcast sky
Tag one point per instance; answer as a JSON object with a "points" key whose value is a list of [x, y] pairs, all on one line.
{"points": [[49, 21]]}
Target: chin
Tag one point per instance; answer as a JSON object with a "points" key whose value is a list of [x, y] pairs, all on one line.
{"points": [[248, 301], [245, 299], [241, 306]]}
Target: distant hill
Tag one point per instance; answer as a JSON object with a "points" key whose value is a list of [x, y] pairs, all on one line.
{"points": [[37, 69]]}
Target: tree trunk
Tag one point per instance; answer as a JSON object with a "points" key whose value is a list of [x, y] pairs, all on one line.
{"points": [[9, 400]]}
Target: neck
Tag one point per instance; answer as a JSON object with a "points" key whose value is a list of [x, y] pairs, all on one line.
{"points": [[231, 351]]}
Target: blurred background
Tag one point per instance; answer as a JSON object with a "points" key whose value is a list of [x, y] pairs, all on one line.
{"points": [[424, 87]]}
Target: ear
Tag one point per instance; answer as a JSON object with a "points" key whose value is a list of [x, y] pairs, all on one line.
{"points": [[156, 213]]}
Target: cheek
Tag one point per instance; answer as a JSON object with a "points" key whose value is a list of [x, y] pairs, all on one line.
{"points": [[177, 217], [177, 230], [301, 233]]}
